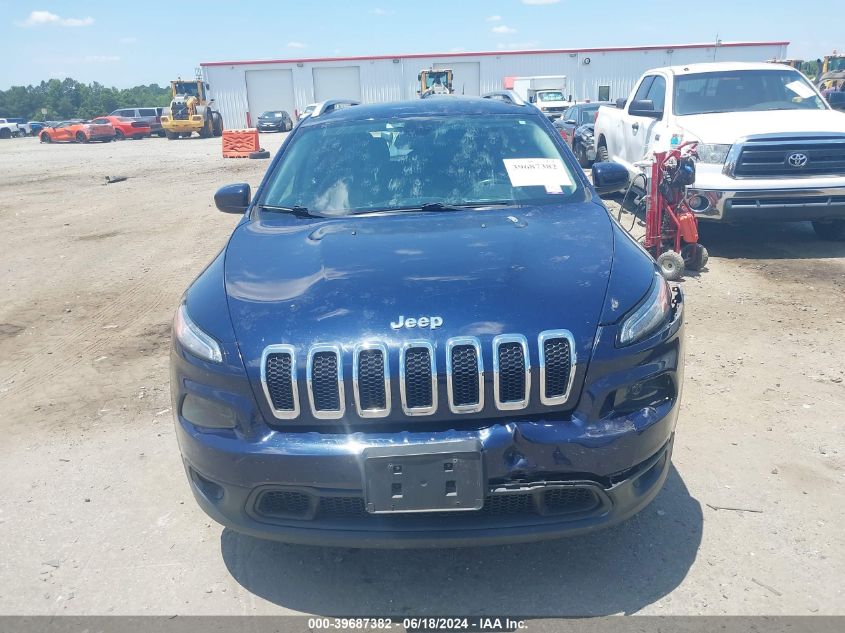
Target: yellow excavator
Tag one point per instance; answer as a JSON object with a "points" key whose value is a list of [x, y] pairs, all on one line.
{"points": [[435, 82], [191, 111], [832, 73]]}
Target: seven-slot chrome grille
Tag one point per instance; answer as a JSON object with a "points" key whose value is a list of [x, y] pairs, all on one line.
{"points": [[512, 357]]}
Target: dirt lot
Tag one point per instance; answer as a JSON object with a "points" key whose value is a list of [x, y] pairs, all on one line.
{"points": [[96, 516]]}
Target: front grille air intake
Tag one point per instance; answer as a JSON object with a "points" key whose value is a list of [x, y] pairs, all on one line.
{"points": [[511, 371], [464, 375], [371, 380], [418, 378], [325, 382], [278, 378], [557, 365]]}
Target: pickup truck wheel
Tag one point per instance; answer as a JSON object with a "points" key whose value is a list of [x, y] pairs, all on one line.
{"points": [[601, 154], [671, 265], [834, 230], [5, 133]]}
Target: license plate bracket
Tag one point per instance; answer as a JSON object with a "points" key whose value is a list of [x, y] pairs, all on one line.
{"points": [[441, 477]]}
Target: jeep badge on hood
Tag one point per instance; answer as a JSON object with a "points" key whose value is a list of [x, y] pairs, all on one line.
{"points": [[431, 322]]}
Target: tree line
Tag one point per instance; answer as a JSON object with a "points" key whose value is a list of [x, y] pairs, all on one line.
{"points": [[70, 99]]}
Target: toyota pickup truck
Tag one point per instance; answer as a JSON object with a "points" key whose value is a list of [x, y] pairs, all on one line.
{"points": [[770, 146]]}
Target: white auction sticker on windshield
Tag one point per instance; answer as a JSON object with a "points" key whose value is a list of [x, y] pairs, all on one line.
{"points": [[801, 89], [537, 172]]}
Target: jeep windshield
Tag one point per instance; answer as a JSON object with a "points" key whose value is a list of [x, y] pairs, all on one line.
{"points": [[355, 167], [744, 90]]}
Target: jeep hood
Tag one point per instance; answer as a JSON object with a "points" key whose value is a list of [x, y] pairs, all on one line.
{"points": [[727, 127], [344, 280]]}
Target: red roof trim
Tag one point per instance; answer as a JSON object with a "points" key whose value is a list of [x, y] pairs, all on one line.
{"points": [[611, 49]]}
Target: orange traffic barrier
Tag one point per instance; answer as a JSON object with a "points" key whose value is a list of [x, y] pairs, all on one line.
{"points": [[239, 143]]}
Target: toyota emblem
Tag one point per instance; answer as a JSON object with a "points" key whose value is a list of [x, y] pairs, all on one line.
{"points": [[797, 159]]}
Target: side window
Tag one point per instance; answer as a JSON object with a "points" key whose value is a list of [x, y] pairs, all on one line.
{"points": [[642, 91], [147, 111], [604, 93], [125, 113], [568, 114], [657, 93]]}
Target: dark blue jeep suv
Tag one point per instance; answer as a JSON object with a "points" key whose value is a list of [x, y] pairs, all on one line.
{"points": [[426, 330]]}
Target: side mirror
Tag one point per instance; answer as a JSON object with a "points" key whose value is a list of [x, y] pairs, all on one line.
{"points": [[645, 108], [233, 198], [609, 177], [620, 103], [836, 100], [571, 122]]}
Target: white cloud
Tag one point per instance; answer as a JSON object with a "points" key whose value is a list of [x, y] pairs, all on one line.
{"points": [[502, 28], [380, 11], [493, 18], [296, 45], [538, 2], [43, 18]]}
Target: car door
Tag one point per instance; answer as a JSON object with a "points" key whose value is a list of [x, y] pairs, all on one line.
{"points": [[640, 132], [62, 132]]}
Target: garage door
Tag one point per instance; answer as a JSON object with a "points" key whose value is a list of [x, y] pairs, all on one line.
{"points": [[269, 90], [466, 77], [338, 82]]}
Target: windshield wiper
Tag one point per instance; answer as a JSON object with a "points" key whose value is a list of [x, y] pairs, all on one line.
{"points": [[300, 212], [442, 206]]}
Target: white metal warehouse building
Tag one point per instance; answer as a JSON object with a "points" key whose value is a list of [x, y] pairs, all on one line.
{"points": [[245, 89]]}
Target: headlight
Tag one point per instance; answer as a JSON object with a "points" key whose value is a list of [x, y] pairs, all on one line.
{"points": [[649, 315], [713, 153], [194, 339]]}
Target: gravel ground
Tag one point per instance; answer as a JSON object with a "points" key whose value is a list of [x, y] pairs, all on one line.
{"points": [[96, 516]]}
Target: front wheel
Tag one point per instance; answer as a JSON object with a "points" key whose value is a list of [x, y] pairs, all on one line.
{"points": [[602, 156], [217, 124], [671, 265], [45, 138], [833, 230], [81, 138], [171, 136], [119, 135]]}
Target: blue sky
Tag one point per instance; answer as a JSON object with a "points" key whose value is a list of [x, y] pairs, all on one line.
{"points": [[127, 43]]}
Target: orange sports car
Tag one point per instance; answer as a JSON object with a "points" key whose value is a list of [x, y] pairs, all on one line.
{"points": [[125, 127], [78, 132]]}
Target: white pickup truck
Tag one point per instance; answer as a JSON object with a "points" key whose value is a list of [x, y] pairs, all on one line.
{"points": [[8, 129], [770, 146]]}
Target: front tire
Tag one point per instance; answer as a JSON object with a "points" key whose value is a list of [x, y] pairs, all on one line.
{"points": [[119, 135], [81, 138], [45, 138], [602, 155], [5, 133], [671, 265], [581, 155], [171, 136], [217, 123], [832, 231]]}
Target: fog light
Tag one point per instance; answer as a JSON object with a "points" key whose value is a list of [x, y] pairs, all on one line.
{"points": [[207, 413], [698, 203]]}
